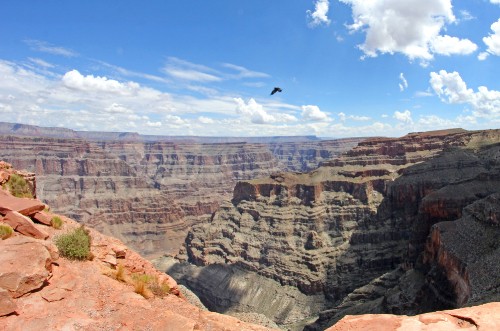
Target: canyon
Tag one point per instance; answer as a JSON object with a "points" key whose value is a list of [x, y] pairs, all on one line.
{"points": [[42, 290], [148, 190], [396, 225], [300, 232]]}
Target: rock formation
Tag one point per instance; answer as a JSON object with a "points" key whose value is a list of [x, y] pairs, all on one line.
{"points": [[483, 317], [40, 290], [343, 235], [148, 191]]}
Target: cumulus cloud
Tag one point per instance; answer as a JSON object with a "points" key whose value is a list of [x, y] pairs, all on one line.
{"points": [[492, 41], [495, 2], [75, 80], [46, 47], [451, 88], [446, 45], [254, 111], [404, 83], [404, 116], [319, 16], [313, 113], [410, 27]]}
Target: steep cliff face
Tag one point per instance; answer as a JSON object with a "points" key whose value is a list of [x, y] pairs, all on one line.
{"points": [[147, 193], [335, 229], [448, 207]]}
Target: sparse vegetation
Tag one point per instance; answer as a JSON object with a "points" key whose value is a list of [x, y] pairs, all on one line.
{"points": [[158, 289], [120, 273], [75, 245], [147, 285], [18, 187], [141, 288], [56, 222], [5, 231]]}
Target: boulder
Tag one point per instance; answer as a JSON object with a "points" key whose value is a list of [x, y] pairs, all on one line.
{"points": [[24, 225], [42, 217], [24, 206], [7, 305], [25, 265]]}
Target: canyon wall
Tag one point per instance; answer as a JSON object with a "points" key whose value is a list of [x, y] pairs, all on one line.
{"points": [[148, 193], [348, 231]]}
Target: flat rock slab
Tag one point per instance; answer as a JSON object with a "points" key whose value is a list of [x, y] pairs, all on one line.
{"points": [[25, 265], [42, 217], [24, 206], [485, 317], [7, 305], [24, 225]]}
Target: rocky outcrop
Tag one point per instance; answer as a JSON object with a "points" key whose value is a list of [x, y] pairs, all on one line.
{"points": [[148, 191], [39, 290], [483, 317], [337, 228]]}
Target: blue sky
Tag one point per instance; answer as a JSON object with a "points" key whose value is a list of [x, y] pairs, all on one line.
{"points": [[346, 67]]}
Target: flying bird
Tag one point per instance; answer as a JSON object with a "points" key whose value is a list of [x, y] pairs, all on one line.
{"points": [[276, 89]]}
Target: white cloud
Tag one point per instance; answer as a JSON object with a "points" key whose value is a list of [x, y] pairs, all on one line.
{"points": [[74, 80], [404, 116], [313, 113], [188, 71], [41, 62], [254, 111], [446, 45], [495, 2], [493, 40], [410, 27], [466, 15], [451, 88], [423, 94], [205, 120], [359, 118], [244, 72], [153, 124], [483, 56], [343, 117], [404, 83], [118, 109], [45, 47], [319, 16]]}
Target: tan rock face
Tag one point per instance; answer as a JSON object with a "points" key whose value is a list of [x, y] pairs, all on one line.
{"points": [[483, 317], [25, 265], [24, 225], [23, 206], [337, 228], [148, 194]]}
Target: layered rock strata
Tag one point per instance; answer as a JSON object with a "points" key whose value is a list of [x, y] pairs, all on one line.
{"points": [[147, 193], [335, 229]]}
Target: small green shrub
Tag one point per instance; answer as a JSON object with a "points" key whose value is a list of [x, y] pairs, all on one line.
{"points": [[5, 231], [75, 245], [56, 222], [18, 187]]}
